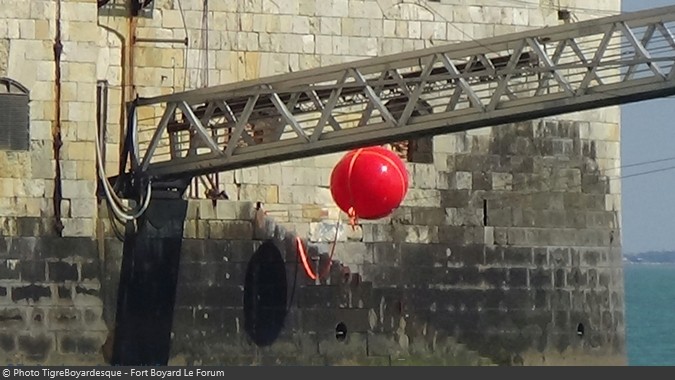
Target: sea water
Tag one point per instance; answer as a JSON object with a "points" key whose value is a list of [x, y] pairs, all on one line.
{"points": [[650, 314]]}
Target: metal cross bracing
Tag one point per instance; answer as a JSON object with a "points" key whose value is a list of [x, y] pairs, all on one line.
{"points": [[456, 87]]}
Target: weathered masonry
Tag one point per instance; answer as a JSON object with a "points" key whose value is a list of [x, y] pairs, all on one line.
{"points": [[507, 249]]}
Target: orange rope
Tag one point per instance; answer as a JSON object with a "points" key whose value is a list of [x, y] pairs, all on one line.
{"points": [[353, 218], [351, 212], [305, 260], [303, 256]]}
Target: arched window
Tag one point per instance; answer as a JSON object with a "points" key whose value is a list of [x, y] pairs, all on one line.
{"points": [[14, 115]]}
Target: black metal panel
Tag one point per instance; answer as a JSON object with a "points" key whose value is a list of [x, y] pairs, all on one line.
{"points": [[147, 286], [14, 121]]}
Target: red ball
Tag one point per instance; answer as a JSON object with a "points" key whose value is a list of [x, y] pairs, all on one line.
{"points": [[373, 181]]}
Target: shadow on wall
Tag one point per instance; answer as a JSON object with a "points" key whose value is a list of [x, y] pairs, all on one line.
{"points": [[265, 291]]}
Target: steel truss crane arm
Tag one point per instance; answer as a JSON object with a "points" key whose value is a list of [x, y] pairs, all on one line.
{"points": [[522, 76]]}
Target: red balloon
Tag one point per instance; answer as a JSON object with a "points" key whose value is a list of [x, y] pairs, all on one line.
{"points": [[373, 181]]}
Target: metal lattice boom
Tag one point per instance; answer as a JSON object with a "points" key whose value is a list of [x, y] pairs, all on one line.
{"points": [[549, 71]]}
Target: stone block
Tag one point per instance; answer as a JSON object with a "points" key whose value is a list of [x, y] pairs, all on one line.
{"points": [[296, 228], [171, 18], [80, 344], [299, 194], [263, 230], [192, 209], [291, 175], [90, 271], [377, 232], [87, 295], [541, 278], [6, 187], [464, 217], [8, 207], [11, 28], [423, 176], [427, 216], [35, 346], [7, 341], [461, 180], [230, 229], [27, 29], [83, 208], [502, 181], [79, 11], [280, 213], [500, 217], [78, 189], [314, 213], [9, 268], [64, 318], [61, 271], [30, 293], [423, 198], [40, 130], [354, 253], [7, 224], [481, 181], [354, 233], [206, 210], [78, 227], [202, 229], [607, 149], [4, 55], [234, 210], [32, 270], [416, 233]]}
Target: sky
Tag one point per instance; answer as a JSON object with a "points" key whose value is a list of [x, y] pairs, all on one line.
{"points": [[648, 133]]}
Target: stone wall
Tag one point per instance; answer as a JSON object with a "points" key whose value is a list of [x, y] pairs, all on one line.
{"points": [[532, 276], [505, 243]]}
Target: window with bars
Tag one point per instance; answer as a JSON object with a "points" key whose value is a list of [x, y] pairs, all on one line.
{"points": [[14, 115]]}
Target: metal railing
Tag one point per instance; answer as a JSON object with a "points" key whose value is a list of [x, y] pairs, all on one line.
{"points": [[522, 76]]}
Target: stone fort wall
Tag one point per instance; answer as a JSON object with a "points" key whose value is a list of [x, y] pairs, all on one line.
{"points": [[506, 247]]}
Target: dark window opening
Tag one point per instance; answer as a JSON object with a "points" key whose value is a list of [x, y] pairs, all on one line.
{"points": [[564, 14], [341, 332], [417, 150], [485, 212], [138, 5], [580, 330], [14, 115], [125, 8], [265, 291]]}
